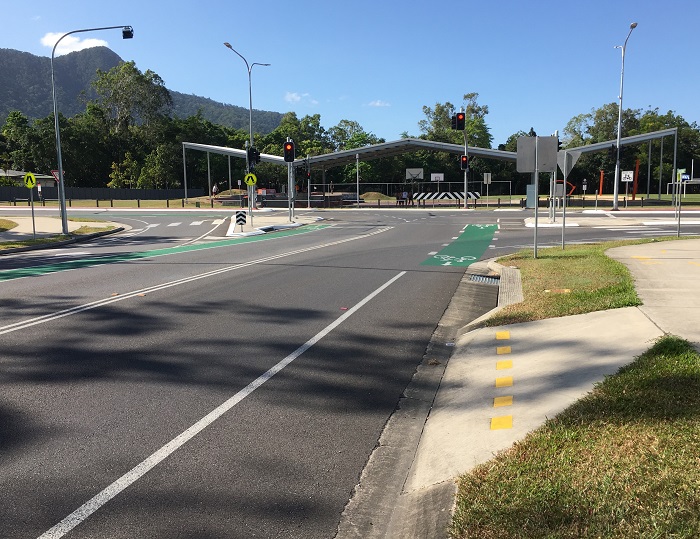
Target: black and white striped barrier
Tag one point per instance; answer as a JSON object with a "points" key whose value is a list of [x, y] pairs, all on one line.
{"points": [[446, 195]]}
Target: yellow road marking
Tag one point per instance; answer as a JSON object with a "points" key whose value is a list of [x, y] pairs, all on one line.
{"points": [[505, 381], [502, 365], [502, 422], [502, 335], [503, 350], [503, 401]]}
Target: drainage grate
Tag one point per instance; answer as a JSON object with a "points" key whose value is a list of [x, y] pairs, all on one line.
{"points": [[484, 279]]}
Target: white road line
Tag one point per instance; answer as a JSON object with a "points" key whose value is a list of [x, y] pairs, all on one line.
{"points": [[174, 224], [195, 223], [107, 301], [206, 234], [133, 475], [69, 253]]}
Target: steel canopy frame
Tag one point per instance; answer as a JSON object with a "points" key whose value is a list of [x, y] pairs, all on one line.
{"points": [[398, 147], [375, 151], [635, 139]]}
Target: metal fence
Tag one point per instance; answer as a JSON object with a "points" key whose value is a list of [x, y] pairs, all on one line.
{"points": [[99, 193]]}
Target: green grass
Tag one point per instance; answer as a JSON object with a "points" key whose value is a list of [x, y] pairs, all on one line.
{"points": [[622, 462], [576, 280], [5, 225]]}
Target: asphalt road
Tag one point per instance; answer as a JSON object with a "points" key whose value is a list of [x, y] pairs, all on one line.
{"points": [[277, 364], [166, 382]]}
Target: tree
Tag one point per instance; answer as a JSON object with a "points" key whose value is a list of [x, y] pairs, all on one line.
{"points": [[18, 136], [159, 168], [131, 97], [126, 173]]}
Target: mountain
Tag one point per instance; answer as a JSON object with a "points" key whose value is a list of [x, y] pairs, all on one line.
{"points": [[25, 85]]}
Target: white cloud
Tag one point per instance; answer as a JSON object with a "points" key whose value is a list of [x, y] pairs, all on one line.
{"points": [[295, 97], [70, 43], [379, 103], [292, 97]]}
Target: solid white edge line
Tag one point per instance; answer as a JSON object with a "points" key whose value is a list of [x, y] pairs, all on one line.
{"points": [[133, 475]]}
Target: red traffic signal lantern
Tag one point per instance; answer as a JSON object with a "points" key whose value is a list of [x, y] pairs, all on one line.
{"points": [[289, 151], [464, 162], [459, 121]]}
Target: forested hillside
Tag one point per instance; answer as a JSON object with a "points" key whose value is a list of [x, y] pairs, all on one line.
{"points": [[25, 85]]}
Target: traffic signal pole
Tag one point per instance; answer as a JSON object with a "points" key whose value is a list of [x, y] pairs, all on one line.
{"points": [[466, 152]]}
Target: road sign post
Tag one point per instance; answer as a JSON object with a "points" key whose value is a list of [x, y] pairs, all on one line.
{"points": [[30, 182], [240, 219], [250, 180]]}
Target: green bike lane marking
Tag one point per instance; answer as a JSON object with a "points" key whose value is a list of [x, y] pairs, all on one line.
{"points": [[466, 249], [7, 275]]}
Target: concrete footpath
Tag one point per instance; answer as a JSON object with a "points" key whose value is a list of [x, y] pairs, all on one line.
{"points": [[503, 382]]}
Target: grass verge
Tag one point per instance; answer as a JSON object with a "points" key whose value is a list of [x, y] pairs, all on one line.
{"points": [[622, 462], [6, 225], [563, 282], [82, 231]]}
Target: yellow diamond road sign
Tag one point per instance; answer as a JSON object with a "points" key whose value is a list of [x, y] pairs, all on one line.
{"points": [[250, 179], [29, 180]]}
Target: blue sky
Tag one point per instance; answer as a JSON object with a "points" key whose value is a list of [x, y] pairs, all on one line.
{"points": [[534, 63]]}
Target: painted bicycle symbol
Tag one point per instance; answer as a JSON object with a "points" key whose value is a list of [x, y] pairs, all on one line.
{"points": [[455, 259]]}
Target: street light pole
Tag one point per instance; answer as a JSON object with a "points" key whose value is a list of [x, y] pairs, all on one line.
{"points": [[248, 164], [249, 67], [616, 187], [127, 33]]}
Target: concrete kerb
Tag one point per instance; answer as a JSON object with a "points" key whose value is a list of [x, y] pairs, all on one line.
{"points": [[510, 291]]}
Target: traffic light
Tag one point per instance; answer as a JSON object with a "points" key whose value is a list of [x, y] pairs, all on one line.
{"points": [[464, 162], [558, 145], [253, 156], [460, 117], [289, 151]]}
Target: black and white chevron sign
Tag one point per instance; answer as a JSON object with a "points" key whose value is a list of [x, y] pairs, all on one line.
{"points": [[240, 217], [447, 195]]}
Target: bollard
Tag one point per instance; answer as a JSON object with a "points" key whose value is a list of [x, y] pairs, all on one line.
{"points": [[167, 202], [97, 202], [183, 202], [111, 203], [138, 202]]}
